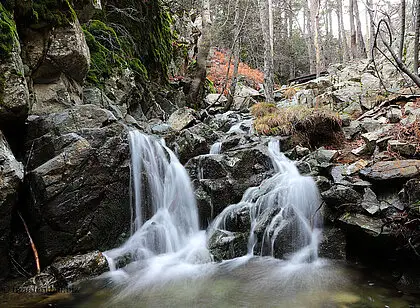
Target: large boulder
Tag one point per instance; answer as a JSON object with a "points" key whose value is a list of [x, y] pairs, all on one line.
{"points": [[11, 176], [67, 53], [78, 180], [182, 118]]}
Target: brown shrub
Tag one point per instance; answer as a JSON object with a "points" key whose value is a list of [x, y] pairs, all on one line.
{"points": [[312, 127]]}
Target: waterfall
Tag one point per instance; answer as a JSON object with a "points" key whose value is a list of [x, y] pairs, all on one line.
{"points": [[165, 212], [216, 148], [286, 205]]}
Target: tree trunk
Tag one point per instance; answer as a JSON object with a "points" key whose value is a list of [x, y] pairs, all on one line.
{"points": [[416, 39], [353, 43], [401, 49], [236, 49], [268, 58], [309, 41], [346, 53], [360, 41], [196, 92], [315, 4], [369, 9]]}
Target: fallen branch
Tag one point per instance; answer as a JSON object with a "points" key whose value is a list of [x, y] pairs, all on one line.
{"points": [[38, 267]]}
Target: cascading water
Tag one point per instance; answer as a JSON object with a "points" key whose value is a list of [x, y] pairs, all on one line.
{"points": [[216, 148], [165, 212], [286, 205]]}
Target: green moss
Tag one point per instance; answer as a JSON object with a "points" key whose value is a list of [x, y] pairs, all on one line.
{"points": [[8, 34], [52, 12], [107, 53], [210, 86]]}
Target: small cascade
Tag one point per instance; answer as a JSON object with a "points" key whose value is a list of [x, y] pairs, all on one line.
{"points": [[216, 148], [283, 212], [165, 214]]}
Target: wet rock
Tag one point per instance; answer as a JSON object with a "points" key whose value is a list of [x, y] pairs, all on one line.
{"points": [[182, 118], [64, 271], [11, 176], [370, 202], [322, 183], [78, 170], [339, 195], [333, 244], [392, 170], [228, 245], [412, 191], [297, 152], [402, 148], [371, 226]]}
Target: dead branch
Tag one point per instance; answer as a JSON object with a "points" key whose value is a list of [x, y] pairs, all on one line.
{"points": [[38, 267]]}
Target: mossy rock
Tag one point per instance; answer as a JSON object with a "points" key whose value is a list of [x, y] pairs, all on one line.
{"points": [[8, 33]]}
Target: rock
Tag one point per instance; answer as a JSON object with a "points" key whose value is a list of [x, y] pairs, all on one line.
{"points": [[372, 137], [356, 166], [182, 118], [162, 128], [78, 170], [345, 120], [392, 170], [322, 183], [225, 246], [303, 167], [192, 141], [14, 93], [56, 96], [11, 176], [408, 120], [353, 109], [333, 244], [370, 87], [402, 148], [412, 191], [352, 130], [298, 152], [65, 271], [68, 53], [362, 150], [370, 203], [370, 125], [339, 195], [394, 115], [368, 225], [325, 156], [212, 98], [411, 109], [243, 97]]}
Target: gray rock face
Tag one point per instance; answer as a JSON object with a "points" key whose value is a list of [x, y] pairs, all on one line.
{"points": [[64, 271], [68, 53], [78, 181], [243, 97], [402, 148], [221, 180], [370, 202], [14, 93], [392, 170], [339, 195], [181, 118], [11, 176], [394, 115], [368, 225]]}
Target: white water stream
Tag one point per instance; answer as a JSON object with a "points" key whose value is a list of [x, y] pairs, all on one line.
{"points": [[167, 245]]}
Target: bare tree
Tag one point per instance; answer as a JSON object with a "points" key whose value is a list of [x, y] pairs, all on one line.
{"points": [[264, 11], [370, 11], [308, 37], [315, 7], [353, 42], [401, 49], [416, 39], [196, 91], [360, 41]]}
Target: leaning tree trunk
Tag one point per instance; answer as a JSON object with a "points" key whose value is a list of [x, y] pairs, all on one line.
{"points": [[353, 43], [268, 58], [196, 92], [360, 41]]}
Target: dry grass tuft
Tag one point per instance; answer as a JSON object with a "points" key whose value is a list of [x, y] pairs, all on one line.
{"points": [[310, 126], [289, 93]]}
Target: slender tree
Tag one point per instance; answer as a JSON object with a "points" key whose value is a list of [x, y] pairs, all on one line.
{"points": [[315, 7], [416, 39], [402, 34], [342, 32], [360, 41], [353, 42], [264, 11]]}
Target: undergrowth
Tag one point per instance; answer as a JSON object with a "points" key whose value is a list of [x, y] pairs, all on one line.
{"points": [[312, 127]]}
